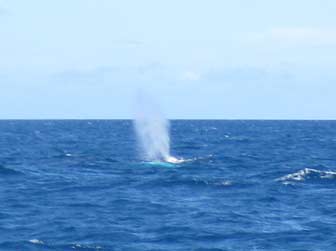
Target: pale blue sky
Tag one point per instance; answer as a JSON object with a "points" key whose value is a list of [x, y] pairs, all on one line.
{"points": [[201, 59]]}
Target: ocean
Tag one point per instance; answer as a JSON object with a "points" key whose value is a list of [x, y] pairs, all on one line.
{"points": [[245, 185]]}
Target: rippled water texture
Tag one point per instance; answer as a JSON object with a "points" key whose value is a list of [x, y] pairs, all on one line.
{"points": [[249, 185]]}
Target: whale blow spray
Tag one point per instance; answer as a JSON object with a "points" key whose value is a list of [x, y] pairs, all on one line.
{"points": [[152, 130]]}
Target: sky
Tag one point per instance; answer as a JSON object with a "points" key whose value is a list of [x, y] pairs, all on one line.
{"points": [[215, 59]]}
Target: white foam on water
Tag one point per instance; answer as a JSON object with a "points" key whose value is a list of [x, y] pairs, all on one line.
{"points": [[36, 241], [307, 173], [85, 246]]}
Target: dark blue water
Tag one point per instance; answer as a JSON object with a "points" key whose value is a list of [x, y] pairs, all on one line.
{"points": [[251, 185]]}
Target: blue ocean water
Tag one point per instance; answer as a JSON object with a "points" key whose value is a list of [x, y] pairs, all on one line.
{"points": [[249, 185]]}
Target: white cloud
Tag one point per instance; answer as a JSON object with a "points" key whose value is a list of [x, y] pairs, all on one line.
{"points": [[293, 36], [305, 35], [191, 76], [3, 11]]}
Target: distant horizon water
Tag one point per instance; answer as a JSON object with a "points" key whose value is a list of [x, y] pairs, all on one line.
{"points": [[176, 119]]}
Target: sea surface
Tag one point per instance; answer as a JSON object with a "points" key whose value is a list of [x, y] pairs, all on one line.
{"points": [[246, 185]]}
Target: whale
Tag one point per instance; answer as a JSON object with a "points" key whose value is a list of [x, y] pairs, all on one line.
{"points": [[168, 161], [173, 160]]}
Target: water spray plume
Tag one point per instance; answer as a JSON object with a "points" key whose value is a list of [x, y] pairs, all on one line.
{"points": [[152, 130]]}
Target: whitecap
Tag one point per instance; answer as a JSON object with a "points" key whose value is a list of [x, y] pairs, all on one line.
{"points": [[223, 183], [36, 241], [85, 246], [307, 173]]}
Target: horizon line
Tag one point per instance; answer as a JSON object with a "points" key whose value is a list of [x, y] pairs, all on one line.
{"points": [[173, 119]]}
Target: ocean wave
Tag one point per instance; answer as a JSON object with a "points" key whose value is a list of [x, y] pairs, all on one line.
{"points": [[76, 246], [8, 171], [190, 146], [36, 241], [207, 182], [179, 161], [195, 182], [307, 174], [86, 247]]}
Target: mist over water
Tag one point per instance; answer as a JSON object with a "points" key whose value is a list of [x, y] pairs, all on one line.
{"points": [[152, 129]]}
